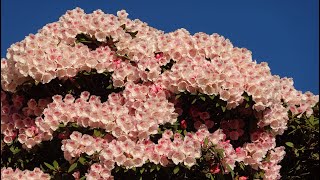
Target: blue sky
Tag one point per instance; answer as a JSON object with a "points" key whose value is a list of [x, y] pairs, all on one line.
{"points": [[284, 33]]}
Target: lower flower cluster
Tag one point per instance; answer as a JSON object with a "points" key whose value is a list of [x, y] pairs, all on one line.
{"points": [[36, 174]]}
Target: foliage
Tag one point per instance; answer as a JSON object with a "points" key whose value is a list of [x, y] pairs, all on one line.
{"points": [[302, 147]]}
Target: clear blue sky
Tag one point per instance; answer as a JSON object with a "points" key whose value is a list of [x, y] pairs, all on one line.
{"points": [[284, 33]]}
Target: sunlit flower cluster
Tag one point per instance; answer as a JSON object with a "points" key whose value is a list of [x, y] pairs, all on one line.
{"points": [[207, 64], [171, 148]]}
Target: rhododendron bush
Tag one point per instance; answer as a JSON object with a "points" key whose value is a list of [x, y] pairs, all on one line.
{"points": [[98, 96]]}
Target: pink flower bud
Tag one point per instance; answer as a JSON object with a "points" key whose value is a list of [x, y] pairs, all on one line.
{"points": [[183, 124]]}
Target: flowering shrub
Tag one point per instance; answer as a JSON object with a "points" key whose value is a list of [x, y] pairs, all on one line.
{"points": [[98, 96]]}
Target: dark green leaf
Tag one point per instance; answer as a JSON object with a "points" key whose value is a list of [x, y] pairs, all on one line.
{"points": [[178, 96], [230, 170], [142, 170], [247, 105], [211, 177], [290, 144], [223, 108], [241, 165], [212, 97], [206, 141], [55, 164], [296, 151], [72, 167], [109, 87], [49, 166], [96, 133], [176, 170], [185, 132], [82, 160]]}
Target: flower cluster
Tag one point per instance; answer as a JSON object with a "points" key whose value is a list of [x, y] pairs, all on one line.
{"points": [[98, 171], [233, 128], [17, 121], [171, 148], [136, 113], [151, 66], [36, 174]]}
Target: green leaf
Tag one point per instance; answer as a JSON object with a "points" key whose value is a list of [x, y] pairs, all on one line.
{"points": [[49, 166], [83, 178], [247, 105], [14, 149], [212, 97], [203, 98], [217, 104], [290, 144], [109, 87], [206, 141], [211, 177], [41, 167], [142, 170], [176, 170], [194, 101], [230, 170], [241, 165], [96, 133], [178, 96], [61, 125], [86, 73], [72, 167], [134, 169], [82, 160], [55, 164], [296, 151], [185, 132], [223, 108], [158, 168], [311, 120]]}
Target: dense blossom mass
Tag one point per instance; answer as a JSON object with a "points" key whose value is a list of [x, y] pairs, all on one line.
{"points": [[207, 64]]}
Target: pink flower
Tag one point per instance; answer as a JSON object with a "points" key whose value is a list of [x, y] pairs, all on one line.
{"points": [[204, 115], [209, 124], [76, 175], [183, 124], [215, 169], [189, 161], [167, 134], [178, 157], [234, 135], [197, 125], [164, 161], [243, 178]]}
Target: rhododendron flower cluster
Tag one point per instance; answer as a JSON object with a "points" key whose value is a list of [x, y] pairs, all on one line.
{"points": [[9, 173], [151, 67]]}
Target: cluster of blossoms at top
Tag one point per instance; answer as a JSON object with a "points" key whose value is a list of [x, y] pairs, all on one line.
{"points": [[36, 174], [204, 63], [208, 64]]}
